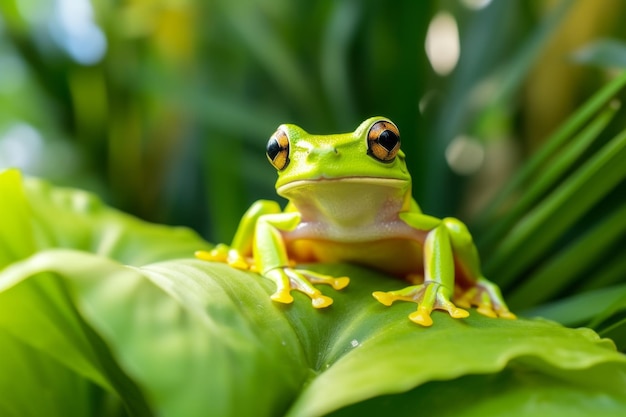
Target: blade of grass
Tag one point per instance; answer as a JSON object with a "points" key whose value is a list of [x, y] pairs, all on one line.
{"points": [[613, 308], [579, 309], [530, 238], [578, 256], [549, 177], [609, 273], [617, 333], [552, 145]]}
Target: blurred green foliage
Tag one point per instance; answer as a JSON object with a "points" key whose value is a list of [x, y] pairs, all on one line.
{"points": [[163, 107]]}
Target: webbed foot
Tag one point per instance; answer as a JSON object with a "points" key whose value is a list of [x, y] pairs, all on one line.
{"points": [[487, 298], [225, 254], [288, 279], [428, 296]]}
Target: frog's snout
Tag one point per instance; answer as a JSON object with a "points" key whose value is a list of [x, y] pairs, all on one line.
{"points": [[322, 153]]}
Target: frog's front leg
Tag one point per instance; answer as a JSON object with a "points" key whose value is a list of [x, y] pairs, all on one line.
{"points": [[258, 245], [437, 289], [272, 259], [239, 253]]}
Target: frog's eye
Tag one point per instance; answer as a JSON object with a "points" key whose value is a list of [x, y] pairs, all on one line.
{"points": [[277, 150], [383, 141]]}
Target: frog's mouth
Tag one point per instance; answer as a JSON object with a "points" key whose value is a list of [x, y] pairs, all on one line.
{"points": [[374, 183]]}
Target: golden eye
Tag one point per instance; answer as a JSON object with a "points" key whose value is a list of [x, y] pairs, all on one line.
{"points": [[383, 141], [277, 150]]}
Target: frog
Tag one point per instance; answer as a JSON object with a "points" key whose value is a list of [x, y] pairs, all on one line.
{"points": [[350, 201]]}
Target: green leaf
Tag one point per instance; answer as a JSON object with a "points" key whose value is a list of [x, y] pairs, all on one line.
{"points": [[611, 310], [70, 218], [573, 258], [41, 316], [617, 331], [16, 241], [202, 338], [185, 337], [581, 308], [389, 357], [177, 331], [507, 393], [29, 372]]}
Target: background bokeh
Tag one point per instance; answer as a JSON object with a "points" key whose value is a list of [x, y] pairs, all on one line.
{"points": [[164, 107]]}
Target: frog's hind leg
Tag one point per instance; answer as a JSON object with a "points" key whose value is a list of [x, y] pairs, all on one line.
{"points": [[436, 291], [482, 293]]}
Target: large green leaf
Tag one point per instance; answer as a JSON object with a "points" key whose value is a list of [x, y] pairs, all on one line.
{"points": [[176, 330], [514, 392], [141, 322], [16, 241], [28, 371]]}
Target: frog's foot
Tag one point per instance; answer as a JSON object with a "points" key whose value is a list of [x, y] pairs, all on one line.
{"points": [[486, 296], [428, 296], [225, 254], [288, 279]]}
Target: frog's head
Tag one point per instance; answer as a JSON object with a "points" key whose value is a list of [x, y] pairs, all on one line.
{"points": [[370, 153]]}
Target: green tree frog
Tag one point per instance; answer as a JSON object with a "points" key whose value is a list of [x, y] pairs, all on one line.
{"points": [[350, 201]]}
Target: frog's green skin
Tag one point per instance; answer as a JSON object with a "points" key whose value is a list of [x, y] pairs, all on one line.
{"points": [[350, 201]]}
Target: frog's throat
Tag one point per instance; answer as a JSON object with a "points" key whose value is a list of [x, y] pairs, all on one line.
{"points": [[349, 202]]}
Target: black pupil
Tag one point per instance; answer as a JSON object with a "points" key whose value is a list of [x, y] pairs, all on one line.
{"points": [[273, 148], [388, 139]]}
